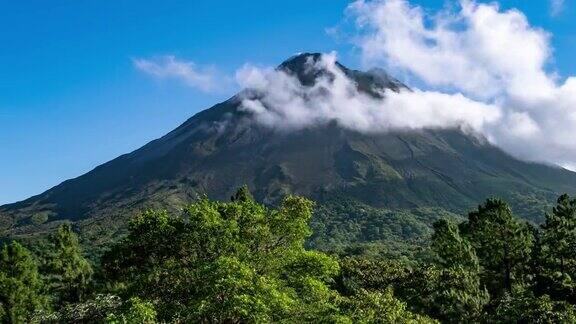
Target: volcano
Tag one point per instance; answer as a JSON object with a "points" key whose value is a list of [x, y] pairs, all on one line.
{"points": [[221, 148]]}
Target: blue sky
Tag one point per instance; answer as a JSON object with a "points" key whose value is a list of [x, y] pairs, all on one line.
{"points": [[71, 98]]}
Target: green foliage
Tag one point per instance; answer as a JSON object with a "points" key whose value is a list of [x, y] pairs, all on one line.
{"points": [[70, 272], [94, 310], [525, 308], [449, 294], [380, 307], [241, 261], [135, 311], [556, 266], [358, 273], [236, 261], [39, 218], [349, 227], [20, 285], [454, 290], [503, 244], [451, 248], [448, 290]]}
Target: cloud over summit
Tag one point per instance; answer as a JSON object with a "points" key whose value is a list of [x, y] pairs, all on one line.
{"points": [[481, 66], [284, 102], [478, 67], [492, 55]]}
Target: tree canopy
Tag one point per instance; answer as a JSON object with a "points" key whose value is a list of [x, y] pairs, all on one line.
{"points": [[21, 287], [241, 261]]}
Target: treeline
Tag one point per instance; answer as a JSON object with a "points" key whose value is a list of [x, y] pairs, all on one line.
{"points": [[240, 261]]}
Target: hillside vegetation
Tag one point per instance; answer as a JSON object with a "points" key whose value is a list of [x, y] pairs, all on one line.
{"points": [[240, 261]]}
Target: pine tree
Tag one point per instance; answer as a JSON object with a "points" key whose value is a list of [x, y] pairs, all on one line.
{"points": [[20, 285], [452, 290], [70, 271], [451, 247], [556, 268], [526, 308], [503, 245]]}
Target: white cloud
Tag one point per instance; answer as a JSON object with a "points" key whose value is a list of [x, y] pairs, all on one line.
{"points": [[479, 50], [556, 7], [284, 103], [489, 54], [204, 79], [483, 68]]}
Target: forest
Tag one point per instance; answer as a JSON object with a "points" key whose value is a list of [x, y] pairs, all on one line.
{"points": [[243, 262]]}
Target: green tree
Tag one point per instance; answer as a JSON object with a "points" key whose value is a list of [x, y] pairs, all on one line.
{"points": [[526, 308], [226, 262], [70, 272], [379, 307], [453, 289], [451, 248], [367, 285], [503, 245], [452, 295], [135, 311], [93, 310], [20, 285], [556, 259], [371, 274]]}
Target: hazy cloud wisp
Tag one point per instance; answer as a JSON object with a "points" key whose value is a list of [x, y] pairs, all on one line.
{"points": [[204, 79], [556, 7]]}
